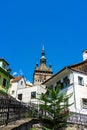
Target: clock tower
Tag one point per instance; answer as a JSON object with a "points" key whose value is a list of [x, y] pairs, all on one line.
{"points": [[42, 72]]}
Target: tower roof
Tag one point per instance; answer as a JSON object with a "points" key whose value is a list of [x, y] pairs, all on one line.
{"points": [[43, 66], [42, 72], [43, 58]]}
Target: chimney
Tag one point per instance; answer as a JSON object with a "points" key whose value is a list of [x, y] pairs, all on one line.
{"points": [[84, 55]]}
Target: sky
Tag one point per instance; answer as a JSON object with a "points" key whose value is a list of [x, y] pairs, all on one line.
{"points": [[27, 25]]}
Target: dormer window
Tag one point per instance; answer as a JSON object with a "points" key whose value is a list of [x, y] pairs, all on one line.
{"points": [[3, 63]]}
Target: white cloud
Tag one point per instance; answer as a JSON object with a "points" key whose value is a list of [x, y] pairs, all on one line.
{"points": [[21, 72], [28, 82], [15, 74], [18, 73]]}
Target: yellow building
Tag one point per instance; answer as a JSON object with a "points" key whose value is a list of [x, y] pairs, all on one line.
{"points": [[5, 75]]}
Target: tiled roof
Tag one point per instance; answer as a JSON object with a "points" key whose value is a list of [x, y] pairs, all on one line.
{"points": [[81, 67], [17, 79], [43, 68]]}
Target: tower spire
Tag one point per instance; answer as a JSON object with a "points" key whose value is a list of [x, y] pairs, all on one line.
{"points": [[42, 72], [43, 58], [43, 51], [43, 47]]}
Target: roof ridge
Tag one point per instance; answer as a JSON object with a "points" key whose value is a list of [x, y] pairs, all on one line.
{"points": [[16, 79]]}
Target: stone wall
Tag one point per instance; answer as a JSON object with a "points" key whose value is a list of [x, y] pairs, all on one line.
{"points": [[76, 127]]}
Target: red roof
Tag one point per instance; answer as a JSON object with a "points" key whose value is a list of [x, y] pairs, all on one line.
{"points": [[17, 79]]}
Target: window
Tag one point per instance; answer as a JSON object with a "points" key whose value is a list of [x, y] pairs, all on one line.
{"points": [[33, 94], [59, 84], [13, 92], [80, 80], [20, 96], [84, 101], [4, 82], [44, 77], [21, 82], [66, 81], [40, 76], [4, 65]]}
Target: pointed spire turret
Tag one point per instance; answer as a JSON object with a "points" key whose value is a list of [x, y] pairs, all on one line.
{"points": [[43, 58], [43, 47], [42, 72]]}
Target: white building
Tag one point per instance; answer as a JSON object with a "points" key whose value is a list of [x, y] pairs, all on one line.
{"points": [[25, 92], [73, 79]]}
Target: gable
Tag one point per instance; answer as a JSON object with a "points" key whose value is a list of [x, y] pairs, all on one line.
{"points": [[81, 67], [16, 79], [22, 83], [19, 81]]}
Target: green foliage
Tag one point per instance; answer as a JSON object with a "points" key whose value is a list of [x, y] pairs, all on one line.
{"points": [[55, 107], [33, 129], [44, 128], [26, 115]]}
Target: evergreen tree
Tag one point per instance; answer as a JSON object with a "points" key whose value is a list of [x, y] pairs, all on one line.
{"points": [[55, 108]]}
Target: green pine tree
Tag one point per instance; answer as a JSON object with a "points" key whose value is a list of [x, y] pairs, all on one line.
{"points": [[55, 108]]}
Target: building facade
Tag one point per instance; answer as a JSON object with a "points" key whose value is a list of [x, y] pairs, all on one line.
{"points": [[73, 79], [17, 84], [42, 72], [5, 75], [25, 92]]}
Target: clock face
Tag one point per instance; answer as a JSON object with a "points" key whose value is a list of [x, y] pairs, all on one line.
{"points": [[40, 76]]}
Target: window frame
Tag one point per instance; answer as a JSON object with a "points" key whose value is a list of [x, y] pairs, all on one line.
{"points": [[22, 83], [80, 80], [66, 81], [13, 92], [33, 95], [4, 82], [84, 103], [20, 96]]}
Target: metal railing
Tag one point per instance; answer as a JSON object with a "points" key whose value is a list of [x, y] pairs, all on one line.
{"points": [[10, 109], [78, 118], [75, 118]]}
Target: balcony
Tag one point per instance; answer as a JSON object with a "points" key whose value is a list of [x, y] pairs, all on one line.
{"points": [[78, 118]]}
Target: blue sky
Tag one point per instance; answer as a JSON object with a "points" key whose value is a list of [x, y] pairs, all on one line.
{"points": [[25, 25]]}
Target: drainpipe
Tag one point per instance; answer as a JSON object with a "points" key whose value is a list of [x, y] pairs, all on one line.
{"points": [[73, 90], [74, 93]]}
